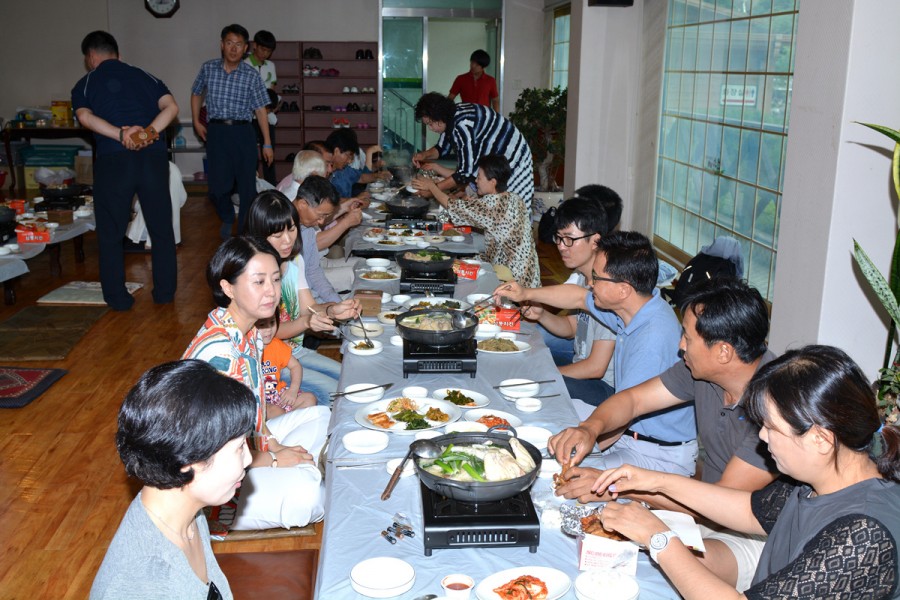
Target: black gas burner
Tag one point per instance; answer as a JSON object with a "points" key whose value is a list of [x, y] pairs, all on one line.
{"points": [[423, 358], [442, 283], [503, 523], [426, 223], [7, 232]]}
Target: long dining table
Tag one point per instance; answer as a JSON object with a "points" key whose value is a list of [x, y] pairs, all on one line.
{"points": [[355, 515]]}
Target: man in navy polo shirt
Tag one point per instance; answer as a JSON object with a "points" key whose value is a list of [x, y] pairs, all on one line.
{"points": [[116, 101], [234, 91]]}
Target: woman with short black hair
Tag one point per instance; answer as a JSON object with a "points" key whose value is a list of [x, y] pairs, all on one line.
{"points": [[283, 487], [833, 523], [500, 213], [182, 434]]}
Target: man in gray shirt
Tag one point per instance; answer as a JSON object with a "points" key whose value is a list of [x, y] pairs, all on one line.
{"points": [[724, 329], [316, 202]]}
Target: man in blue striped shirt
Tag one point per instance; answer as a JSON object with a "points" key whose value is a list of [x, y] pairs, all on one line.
{"points": [[233, 91], [474, 131]]}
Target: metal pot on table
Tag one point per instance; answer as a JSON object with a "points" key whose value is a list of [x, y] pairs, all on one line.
{"points": [[459, 332], [479, 491], [423, 266]]}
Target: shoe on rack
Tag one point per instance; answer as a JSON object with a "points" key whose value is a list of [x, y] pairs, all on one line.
{"points": [[318, 53], [369, 55], [345, 123], [346, 90], [336, 123], [315, 72], [295, 107], [354, 90], [360, 55], [307, 70]]}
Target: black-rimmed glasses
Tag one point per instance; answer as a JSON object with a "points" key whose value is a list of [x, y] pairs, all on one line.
{"points": [[568, 241]]}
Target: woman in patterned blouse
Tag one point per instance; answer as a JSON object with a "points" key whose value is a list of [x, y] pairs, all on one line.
{"points": [[500, 213], [833, 521]]}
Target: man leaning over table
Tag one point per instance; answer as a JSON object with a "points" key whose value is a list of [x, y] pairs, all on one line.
{"points": [[723, 345], [234, 92], [116, 100], [624, 297]]}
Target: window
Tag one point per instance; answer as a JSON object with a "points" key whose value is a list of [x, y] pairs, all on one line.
{"points": [[728, 72], [559, 72]]}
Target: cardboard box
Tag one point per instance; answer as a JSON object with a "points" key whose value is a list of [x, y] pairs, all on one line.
{"points": [[463, 229], [63, 217], [466, 270], [509, 319], [30, 235], [596, 552], [369, 301]]}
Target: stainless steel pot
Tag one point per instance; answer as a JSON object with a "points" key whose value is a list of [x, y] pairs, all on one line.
{"points": [[477, 491], [407, 206], [418, 266], [437, 338]]}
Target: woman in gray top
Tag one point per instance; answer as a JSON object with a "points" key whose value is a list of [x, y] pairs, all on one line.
{"points": [[182, 433], [833, 522]]}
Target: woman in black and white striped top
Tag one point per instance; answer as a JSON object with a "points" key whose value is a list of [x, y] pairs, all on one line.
{"points": [[475, 131]]}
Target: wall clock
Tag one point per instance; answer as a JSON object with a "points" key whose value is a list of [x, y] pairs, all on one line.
{"points": [[162, 9]]}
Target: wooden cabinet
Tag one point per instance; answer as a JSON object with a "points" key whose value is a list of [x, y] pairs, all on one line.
{"points": [[317, 94]]}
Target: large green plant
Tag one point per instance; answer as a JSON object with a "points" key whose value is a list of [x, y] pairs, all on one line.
{"points": [[540, 115], [888, 292]]}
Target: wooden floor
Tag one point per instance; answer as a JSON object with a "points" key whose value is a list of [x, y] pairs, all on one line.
{"points": [[62, 487]]}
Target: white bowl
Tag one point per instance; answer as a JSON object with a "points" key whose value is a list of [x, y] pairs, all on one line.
{"points": [[372, 329], [415, 391], [365, 441], [365, 352], [12, 247], [392, 465], [536, 436], [4, 251], [529, 404], [379, 196], [396, 340], [385, 297], [519, 391], [410, 239], [435, 239], [606, 584], [395, 238], [427, 435], [382, 577], [422, 245], [476, 298], [486, 330], [457, 238], [378, 262], [506, 335], [368, 396], [401, 298], [411, 189], [51, 224], [82, 212]]}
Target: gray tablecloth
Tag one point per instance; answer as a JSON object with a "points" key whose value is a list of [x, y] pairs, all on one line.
{"points": [[354, 242], [11, 266], [355, 514]]}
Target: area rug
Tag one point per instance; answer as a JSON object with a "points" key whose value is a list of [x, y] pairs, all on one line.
{"points": [[82, 292], [19, 386], [46, 332]]}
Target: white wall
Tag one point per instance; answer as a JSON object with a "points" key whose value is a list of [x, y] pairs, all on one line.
{"points": [[837, 182], [524, 52]]}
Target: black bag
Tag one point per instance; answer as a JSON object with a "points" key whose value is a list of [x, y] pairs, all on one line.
{"points": [[547, 226], [701, 269]]}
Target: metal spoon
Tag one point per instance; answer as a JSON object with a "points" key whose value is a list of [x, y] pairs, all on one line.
{"points": [[459, 320], [422, 449]]}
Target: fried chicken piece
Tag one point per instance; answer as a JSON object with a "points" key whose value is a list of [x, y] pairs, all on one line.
{"points": [[591, 524], [524, 587]]}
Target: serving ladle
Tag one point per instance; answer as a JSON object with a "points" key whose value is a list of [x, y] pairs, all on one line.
{"points": [[422, 449]]}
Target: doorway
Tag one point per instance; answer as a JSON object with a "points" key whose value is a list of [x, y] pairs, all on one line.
{"points": [[423, 50]]}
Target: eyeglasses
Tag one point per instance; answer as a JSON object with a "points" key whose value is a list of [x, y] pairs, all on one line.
{"points": [[595, 278], [568, 241]]}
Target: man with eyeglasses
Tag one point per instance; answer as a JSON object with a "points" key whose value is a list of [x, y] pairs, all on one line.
{"points": [[581, 346], [624, 297], [234, 92]]}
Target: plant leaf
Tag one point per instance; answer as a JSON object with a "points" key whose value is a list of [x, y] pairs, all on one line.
{"points": [[877, 281], [895, 162]]}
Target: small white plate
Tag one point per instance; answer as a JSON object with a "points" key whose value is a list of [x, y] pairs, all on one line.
{"points": [[378, 262], [465, 427], [384, 318], [457, 238], [4, 251], [558, 583], [359, 351], [549, 467], [427, 435], [424, 404], [411, 189], [522, 347], [382, 577], [363, 397], [435, 239], [372, 329], [364, 441], [396, 340], [392, 465], [480, 399], [477, 413], [372, 239]]}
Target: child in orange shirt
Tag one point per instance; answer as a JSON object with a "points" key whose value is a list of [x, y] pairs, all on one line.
{"points": [[280, 397]]}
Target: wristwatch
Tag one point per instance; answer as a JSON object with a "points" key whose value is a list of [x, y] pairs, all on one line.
{"points": [[274, 459], [659, 542]]}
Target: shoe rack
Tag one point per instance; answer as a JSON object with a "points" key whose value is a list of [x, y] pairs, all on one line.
{"points": [[316, 82]]}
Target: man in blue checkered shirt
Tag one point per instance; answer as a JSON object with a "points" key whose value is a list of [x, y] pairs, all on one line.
{"points": [[233, 91]]}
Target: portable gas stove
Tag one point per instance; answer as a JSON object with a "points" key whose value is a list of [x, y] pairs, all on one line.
{"points": [[7, 232], [426, 223], [423, 358], [442, 283], [500, 524]]}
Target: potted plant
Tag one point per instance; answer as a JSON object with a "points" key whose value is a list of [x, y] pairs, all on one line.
{"points": [[540, 115], [888, 292]]}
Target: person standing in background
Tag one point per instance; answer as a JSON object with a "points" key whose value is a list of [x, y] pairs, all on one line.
{"points": [[234, 92], [117, 101], [263, 47], [476, 86]]}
